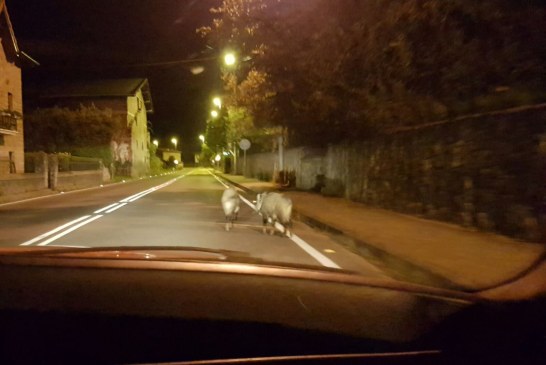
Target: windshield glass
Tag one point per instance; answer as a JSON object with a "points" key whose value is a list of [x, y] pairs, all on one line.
{"points": [[396, 140]]}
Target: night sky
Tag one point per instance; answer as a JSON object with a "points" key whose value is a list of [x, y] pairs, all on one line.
{"points": [[83, 39]]}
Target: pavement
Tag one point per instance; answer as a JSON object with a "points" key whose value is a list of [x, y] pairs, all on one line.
{"points": [[467, 259]]}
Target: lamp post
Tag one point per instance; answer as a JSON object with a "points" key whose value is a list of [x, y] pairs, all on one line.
{"points": [[202, 138], [174, 142], [156, 142]]}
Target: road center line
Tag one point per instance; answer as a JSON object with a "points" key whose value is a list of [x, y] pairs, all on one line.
{"points": [[108, 209], [95, 217], [49, 233], [325, 261], [115, 207], [105, 208]]}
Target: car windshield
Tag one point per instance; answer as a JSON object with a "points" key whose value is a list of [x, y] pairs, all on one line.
{"points": [[403, 141]]}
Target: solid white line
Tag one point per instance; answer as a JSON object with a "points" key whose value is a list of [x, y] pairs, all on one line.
{"points": [[248, 203], [325, 261], [105, 208], [116, 207], [216, 177], [95, 217], [29, 242]]}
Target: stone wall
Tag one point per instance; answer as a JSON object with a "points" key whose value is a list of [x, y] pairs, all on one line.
{"points": [[43, 173], [486, 171], [21, 183], [78, 180]]}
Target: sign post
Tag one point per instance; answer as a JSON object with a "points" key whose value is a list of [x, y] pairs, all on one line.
{"points": [[244, 144]]}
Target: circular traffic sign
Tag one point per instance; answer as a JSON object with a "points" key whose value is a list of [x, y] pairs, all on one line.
{"points": [[244, 144]]}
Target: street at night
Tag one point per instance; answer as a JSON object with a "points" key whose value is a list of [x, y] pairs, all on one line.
{"points": [[176, 210], [272, 181]]}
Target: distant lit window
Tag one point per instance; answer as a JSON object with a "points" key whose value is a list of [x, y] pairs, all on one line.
{"points": [[10, 101]]}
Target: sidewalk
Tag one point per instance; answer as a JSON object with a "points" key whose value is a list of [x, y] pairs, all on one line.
{"points": [[470, 259]]}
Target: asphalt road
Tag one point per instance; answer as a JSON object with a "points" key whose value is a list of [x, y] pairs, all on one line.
{"points": [[181, 209]]}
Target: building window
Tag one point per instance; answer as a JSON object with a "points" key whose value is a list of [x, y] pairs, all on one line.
{"points": [[1, 140], [10, 101]]}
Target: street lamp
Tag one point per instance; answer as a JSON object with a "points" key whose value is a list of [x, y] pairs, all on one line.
{"points": [[230, 59], [202, 138], [214, 113], [174, 141], [218, 102], [156, 142]]}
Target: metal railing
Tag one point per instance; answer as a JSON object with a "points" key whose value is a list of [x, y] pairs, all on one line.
{"points": [[8, 122]]}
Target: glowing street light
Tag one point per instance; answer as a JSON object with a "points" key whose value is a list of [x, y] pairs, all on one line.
{"points": [[156, 142], [217, 158], [230, 59], [214, 114], [174, 142], [202, 138], [217, 101]]}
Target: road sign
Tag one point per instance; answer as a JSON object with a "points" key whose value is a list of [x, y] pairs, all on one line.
{"points": [[244, 144]]}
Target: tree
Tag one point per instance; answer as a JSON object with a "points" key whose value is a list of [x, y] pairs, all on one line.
{"points": [[87, 130], [216, 133], [330, 70]]}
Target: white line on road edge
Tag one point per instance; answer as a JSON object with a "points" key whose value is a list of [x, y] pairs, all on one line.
{"points": [[325, 261], [29, 242], [95, 217]]}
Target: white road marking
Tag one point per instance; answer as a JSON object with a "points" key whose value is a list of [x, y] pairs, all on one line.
{"points": [[134, 196], [90, 218], [95, 217], [29, 242], [105, 208], [116, 207], [325, 261]]}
